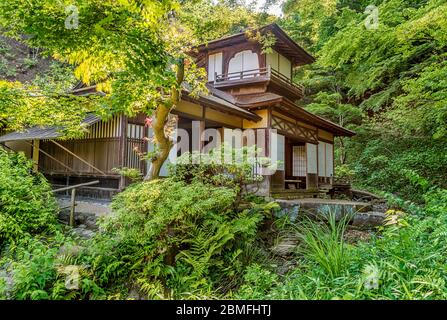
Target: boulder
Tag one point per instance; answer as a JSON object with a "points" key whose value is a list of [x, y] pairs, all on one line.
{"points": [[368, 219]]}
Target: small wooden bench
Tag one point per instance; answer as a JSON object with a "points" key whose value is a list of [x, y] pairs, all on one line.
{"points": [[296, 182]]}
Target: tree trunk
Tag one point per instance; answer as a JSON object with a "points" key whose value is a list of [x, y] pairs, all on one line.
{"points": [[342, 151], [163, 143]]}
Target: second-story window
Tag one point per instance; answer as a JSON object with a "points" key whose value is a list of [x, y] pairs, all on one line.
{"points": [[279, 63], [243, 61], [214, 65]]}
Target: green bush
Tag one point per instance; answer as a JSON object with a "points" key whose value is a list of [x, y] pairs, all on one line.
{"points": [[258, 282], [405, 260], [381, 164], [38, 268], [170, 238], [26, 204], [224, 166]]}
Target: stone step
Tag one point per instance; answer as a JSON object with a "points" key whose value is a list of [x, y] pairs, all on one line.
{"points": [[293, 196]]}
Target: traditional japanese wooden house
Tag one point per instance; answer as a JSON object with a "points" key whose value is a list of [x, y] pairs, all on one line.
{"points": [[248, 89]]}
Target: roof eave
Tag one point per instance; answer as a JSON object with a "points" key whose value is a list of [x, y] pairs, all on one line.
{"points": [[306, 58], [212, 104], [321, 122]]}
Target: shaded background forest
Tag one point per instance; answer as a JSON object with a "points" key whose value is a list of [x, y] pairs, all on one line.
{"points": [[388, 84]]}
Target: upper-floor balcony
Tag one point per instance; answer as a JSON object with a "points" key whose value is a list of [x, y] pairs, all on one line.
{"points": [[274, 79]]}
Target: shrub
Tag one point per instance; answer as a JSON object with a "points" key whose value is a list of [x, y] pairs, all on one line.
{"points": [[382, 164], [224, 166], [405, 260], [132, 174], [344, 171], [258, 282], [26, 204], [170, 238], [29, 63], [37, 268]]}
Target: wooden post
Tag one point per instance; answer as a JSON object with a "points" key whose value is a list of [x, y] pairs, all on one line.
{"points": [[36, 155], [123, 148], [73, 205], [197, 130]]}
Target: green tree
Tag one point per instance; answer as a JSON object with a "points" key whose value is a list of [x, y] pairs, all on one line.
{"points": [[136, 51], [386, 83]]}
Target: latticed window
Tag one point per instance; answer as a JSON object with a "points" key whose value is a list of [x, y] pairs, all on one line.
{"points": [[299, 161], [136, 146]]}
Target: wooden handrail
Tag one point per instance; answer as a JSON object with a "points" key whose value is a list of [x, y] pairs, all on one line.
{"points": [[76, 186], [241, 74], [266, 71], [73, 197]]}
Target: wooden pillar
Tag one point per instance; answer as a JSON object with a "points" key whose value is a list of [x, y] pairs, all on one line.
{"points": [[197, 129], [72, 207], [123, 148], [333, 161], [35, 155]]}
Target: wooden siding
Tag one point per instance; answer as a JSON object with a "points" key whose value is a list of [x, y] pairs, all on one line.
{"points": [[24, 146], [189, 108], [223, 118], [105, 129], [102, 147], [136, 146], [264, 114], [101, 153]]}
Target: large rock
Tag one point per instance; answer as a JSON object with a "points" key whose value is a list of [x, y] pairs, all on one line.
{"points": [[83, 232], [362, 213], [368, 219], [317, 206]]}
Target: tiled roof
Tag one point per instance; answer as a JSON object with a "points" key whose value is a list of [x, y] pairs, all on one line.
{"points": [[42, 133]]}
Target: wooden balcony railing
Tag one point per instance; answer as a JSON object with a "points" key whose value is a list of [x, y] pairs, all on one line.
{"points": [[239, 75], [267, 73]]}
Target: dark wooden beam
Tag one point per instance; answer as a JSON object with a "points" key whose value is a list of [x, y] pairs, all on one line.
{"points": [[77, 157]]}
